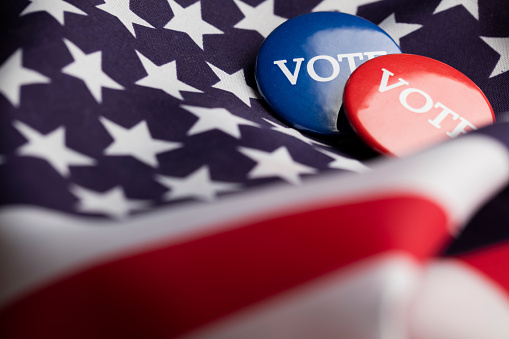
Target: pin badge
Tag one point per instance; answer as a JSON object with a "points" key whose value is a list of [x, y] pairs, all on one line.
{"points": [[401, 103], [303, 65]]}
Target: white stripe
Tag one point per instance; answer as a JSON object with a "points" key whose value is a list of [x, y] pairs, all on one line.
{"points": [[457, 301], [38, 246], [460, 175], [367, 300]]}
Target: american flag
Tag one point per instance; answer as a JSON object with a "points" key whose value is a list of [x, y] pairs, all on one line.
{"points": [[149, 192]]}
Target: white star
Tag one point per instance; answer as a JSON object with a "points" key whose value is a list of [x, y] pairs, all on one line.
{"points": [[196, 185], [188, 20], [216, 118], [501, 46], [234, 83], [87, 67], [260, 18], [341, 162], [163, 77], [113, 202], [51, 147], [13, 75], [136, 142], [55, 8], [120, 9], [397, 30], [278, 163], [470, 5], [345, 6], [293, 133]]}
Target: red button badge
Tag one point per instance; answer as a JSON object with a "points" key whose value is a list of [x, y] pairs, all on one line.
{"points": [[401, 103]]}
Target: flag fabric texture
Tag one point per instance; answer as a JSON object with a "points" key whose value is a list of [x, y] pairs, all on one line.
{"points": [[148, 191]]}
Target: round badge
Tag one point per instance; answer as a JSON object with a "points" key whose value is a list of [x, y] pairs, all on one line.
{"points": [[303, 65], [401, 103]]}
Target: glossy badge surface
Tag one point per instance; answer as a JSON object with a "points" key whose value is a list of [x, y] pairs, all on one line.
{"points": [[303, 65], [401, 103]]}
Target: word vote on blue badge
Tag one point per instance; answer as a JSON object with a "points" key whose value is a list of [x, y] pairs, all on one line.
{"points": [[303, 65]]}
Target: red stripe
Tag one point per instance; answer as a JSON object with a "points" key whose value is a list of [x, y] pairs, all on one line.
{"points": [[170, 291], [493, 262]]}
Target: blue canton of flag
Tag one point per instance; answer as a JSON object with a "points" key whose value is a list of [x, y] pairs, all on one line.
{"points": [[114, 109]]}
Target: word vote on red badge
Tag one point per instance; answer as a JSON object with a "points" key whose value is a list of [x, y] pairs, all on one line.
{"points": [[401, 103]]}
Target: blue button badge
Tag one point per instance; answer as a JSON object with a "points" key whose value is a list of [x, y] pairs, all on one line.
{"points": [[303, 65]]}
